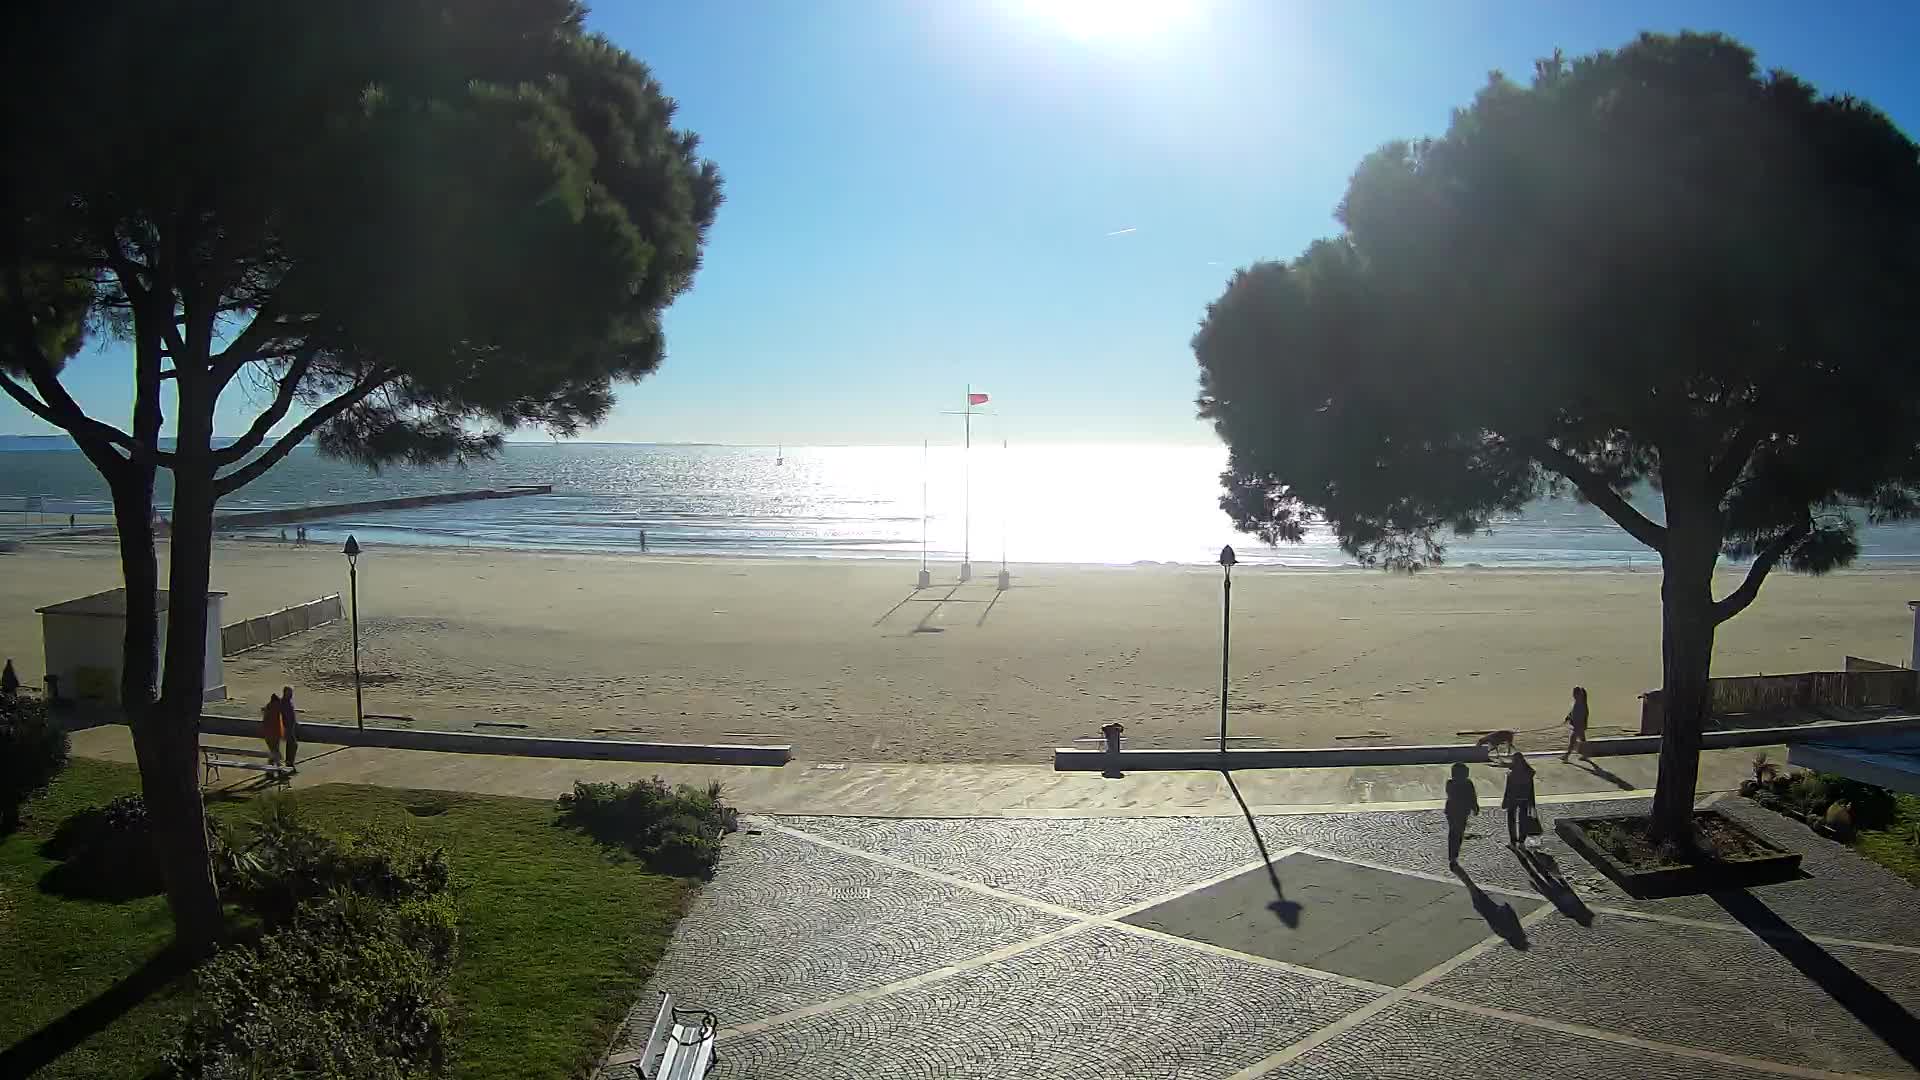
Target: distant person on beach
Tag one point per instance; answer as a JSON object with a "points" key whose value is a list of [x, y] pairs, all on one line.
{"points": [[283, 534], [1463, 802], [69, 521], [1577, 726], [290, 724], [1519, 798], [643, 541], [300, 537], [272, 723]]}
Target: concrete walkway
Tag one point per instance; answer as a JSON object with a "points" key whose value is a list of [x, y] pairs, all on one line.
{"points": [[959, 791]]}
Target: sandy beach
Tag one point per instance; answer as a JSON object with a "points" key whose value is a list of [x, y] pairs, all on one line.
{"points": [[844, 660]]}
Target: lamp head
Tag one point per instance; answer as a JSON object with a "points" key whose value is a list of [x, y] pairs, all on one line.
{"points": [[352, 550], [1227, 557]]}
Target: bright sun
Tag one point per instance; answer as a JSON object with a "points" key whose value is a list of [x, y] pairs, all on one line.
{"points": [[1088, 19]]}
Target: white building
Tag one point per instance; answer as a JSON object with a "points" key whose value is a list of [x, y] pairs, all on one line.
{"points": [[85, 639]]}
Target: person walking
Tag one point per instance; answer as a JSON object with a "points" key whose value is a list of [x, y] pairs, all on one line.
{"points": [[272, 724], [1519, 798], [1463, 802], [1577, 726], [291, 726]]}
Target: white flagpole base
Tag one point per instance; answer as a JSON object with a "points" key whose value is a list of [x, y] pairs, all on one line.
{"points": [[966, 572], [1005, 582], [925, 580]]}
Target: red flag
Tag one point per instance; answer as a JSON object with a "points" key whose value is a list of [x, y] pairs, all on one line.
{"points": [[976, 399]]}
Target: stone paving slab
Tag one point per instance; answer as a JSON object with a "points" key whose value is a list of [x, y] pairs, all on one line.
{"points": [[1415, 1040], [1100, 1004], [1715, 990], [786, 923], [1093, 865], [1352, 920]]}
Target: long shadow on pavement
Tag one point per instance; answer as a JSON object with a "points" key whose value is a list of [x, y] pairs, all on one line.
{"points": [[1545, 874], [1500, 917], [1288, 910], [1870, 1005]]}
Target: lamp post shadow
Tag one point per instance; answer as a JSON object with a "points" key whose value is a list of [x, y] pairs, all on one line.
{"points": [[1287, 910]]}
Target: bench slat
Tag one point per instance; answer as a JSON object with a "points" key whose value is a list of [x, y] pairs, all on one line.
{"points": [[662, 1023]]}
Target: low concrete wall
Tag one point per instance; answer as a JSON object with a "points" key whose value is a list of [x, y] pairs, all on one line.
{"points": [[1075, 759], [463, 742], [309, 513]]}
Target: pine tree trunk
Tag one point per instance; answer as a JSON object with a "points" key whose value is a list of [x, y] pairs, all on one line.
{"points": [[173, 793], [1686, 647], [166, 753]]}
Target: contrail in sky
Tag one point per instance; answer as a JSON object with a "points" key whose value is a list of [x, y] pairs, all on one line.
{"points": [[1125, 231]]}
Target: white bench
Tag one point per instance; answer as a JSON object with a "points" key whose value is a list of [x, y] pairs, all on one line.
{"points": [[215, 758], [676, 1049]]}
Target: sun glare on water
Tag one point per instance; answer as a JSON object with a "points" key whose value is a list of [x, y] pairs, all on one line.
{"points": [[1110, 19]]}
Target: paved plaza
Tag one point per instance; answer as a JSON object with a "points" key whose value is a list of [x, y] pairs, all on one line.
{"points": [[1285, 946]]}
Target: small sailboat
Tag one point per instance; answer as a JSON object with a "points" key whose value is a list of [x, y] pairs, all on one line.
{"points": [[780, 454]]}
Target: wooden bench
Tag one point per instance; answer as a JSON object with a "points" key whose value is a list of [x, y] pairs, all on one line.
{"points": [[677, 1049], [215, 758]]}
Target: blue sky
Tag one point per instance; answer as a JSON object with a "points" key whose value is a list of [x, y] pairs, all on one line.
{"points": [[1039, 197]]}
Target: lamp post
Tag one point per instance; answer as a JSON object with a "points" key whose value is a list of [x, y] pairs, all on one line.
{"points": [[1226, 636], [352, 552]]}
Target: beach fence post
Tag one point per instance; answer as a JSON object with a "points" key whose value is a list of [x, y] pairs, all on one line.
{"points": [[352, 552], [1227, 560]]}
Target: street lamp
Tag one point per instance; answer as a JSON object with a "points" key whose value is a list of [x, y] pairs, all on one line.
{"points": [[352, 552], [1226, 631]]}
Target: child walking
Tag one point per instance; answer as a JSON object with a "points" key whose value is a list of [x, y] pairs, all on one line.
{"points": [[1463, 802]]}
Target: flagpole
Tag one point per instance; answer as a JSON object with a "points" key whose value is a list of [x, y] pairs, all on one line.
{"points": [[926, 578], [966, 512], [1006, 580]]}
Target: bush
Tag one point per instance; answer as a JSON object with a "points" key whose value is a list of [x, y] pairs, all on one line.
{"points": [[676, 830], [350, 978], [1811, 794], [349, 988], [106, 853], [286, 863], [33, 750]]}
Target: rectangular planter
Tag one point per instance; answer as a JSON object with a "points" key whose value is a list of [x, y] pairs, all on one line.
{"points": [[1779, 865]]}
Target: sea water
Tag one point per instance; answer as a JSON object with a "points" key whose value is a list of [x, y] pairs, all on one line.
{"points": [[1102, 504]]}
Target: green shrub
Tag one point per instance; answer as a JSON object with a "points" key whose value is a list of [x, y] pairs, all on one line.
{"points": [[350, 978], [33, 750], [105, 852], [286, 863], [676, 830], [1872, 807], [351, 987]]}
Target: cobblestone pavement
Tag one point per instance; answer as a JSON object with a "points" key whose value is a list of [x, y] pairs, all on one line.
{"points": [[881, 949]]}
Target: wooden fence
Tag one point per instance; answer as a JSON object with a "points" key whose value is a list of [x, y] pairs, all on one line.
{"points": [[265, 629], [1865, 683]]}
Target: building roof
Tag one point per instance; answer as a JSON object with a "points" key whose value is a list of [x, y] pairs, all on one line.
{"points": [[111, 604]]}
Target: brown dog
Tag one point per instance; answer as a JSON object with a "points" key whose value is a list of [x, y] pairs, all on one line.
{"points": [[1496, 740]]}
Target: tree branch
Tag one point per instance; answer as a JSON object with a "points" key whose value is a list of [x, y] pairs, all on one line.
{"points": [[1740, 449], [245, 348], [262, 424], [1763, 564], [251, 471], [1600, 494], [55, 405]]}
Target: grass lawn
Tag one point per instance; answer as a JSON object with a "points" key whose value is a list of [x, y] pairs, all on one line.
{"points": [[556, 935], [1894, 848]]}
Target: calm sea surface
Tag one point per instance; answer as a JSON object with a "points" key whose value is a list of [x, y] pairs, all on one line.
{"points": [[1075, 504]]}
